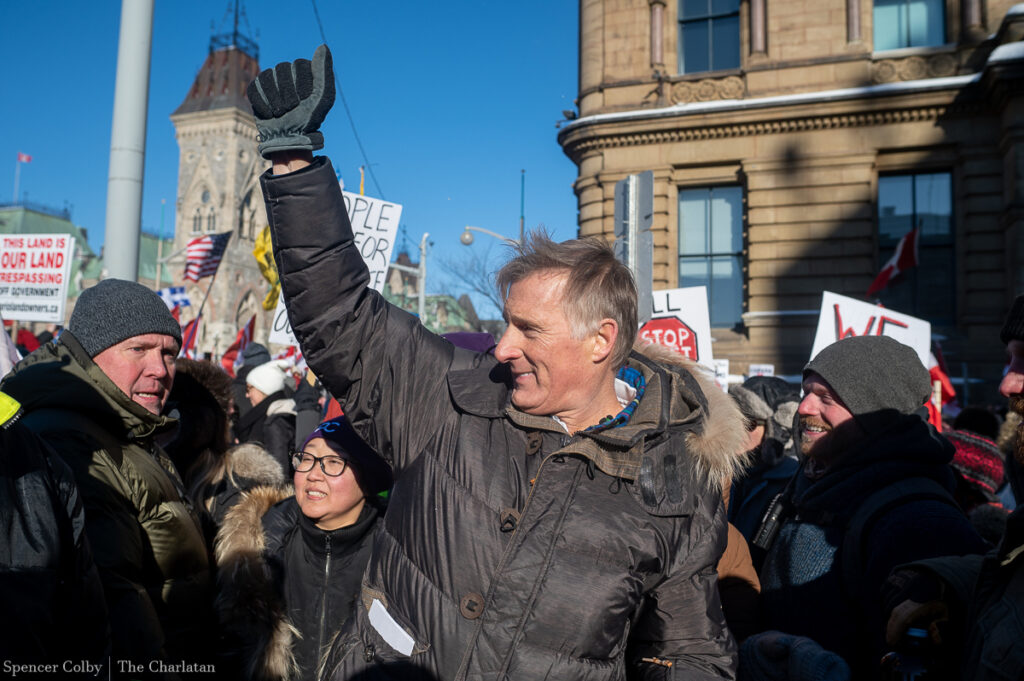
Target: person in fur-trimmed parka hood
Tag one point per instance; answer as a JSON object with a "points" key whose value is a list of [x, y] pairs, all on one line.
{"points": [[290, 565]]}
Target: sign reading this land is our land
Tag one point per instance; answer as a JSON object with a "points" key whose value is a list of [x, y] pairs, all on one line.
{"points": [[34, 274]]}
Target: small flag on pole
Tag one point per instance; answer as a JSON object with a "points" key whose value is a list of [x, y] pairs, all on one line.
{"points": [[241, 343], [203, 255], [188, 339], [174, 296], [902, 260], [24, 158]]}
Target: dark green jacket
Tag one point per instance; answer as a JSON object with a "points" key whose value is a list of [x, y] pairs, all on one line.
{"points": [[145, 535], [510, 549]]}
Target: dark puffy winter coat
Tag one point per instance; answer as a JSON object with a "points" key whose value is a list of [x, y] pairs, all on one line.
{"points": [[286, 586], [52, 597], [808, 588], [511, 549], [989, 590], [144, 532]]}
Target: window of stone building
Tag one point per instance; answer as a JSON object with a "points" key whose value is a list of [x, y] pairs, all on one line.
{"points": [[925, 201], [711, 248], [197, 222], [211, 221], [709, 35], [909, 23]]}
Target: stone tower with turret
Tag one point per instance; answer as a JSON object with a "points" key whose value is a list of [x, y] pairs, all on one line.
{"points": [[218, 191]]}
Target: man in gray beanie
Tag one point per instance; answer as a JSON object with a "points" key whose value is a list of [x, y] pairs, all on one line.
{"points": [[96, 396], [873, 492]]}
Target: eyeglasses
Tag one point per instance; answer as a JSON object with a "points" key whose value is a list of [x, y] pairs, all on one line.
{"points": [[331, 465]]}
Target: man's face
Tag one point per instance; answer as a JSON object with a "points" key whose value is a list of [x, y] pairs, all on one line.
{"points": [[826, 425], [1012, 387], [142, 367], [552, 373]]}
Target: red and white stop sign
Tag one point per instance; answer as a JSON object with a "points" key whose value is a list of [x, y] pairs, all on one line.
{"points": [[672, 333]]}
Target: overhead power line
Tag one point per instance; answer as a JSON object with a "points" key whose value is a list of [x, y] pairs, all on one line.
{"points": [[351, 121]]}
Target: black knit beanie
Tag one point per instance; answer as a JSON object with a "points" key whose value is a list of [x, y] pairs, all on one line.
{"points": [[115, 310], [873, 374], [1013, 327]]}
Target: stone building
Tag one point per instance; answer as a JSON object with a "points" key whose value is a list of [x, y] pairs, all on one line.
{"points": [[219, 191], [794, 143]]}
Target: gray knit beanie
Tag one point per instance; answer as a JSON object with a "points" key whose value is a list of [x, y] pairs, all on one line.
{"points": [[873, 374], [1013, 327], [115, 310]]}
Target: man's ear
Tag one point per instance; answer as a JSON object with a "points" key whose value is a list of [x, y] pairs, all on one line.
{"points": [[604, 340]]}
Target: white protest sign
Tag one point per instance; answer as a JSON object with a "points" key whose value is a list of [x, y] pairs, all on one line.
{"points": [[760, 370], [721, 373], [34, 274], [842, 317], [680, 321], [374, 226]]}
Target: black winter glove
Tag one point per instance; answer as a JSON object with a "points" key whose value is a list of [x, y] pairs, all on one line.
{"points": [[290, 102]]}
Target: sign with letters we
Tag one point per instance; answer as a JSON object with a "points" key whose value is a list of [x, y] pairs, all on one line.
{"points": [[842, 317]]}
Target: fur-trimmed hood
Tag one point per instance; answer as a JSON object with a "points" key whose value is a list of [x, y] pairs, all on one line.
{"points": [[251, 609], [719, 448], [252, 462]]}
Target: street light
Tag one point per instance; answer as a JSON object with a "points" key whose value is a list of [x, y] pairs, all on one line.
{"points": [[467, 236], [421, 276]]}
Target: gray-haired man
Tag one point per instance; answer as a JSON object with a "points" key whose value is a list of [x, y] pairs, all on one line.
{"points": [[557, 511]]}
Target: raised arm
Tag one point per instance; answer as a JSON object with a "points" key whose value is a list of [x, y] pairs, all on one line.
{"points": [[387, 371]]}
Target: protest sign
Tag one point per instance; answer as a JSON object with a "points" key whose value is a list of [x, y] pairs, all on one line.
{"points": [[842, 317], [760, 370], [34, 274], [721, 367], [680, 321], [374, 227]]}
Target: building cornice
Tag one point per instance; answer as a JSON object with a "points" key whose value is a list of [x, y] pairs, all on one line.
{"points": [[901, 102]]}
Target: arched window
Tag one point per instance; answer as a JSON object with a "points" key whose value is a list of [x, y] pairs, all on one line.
{"points": [[197, 222], [211, 221]]}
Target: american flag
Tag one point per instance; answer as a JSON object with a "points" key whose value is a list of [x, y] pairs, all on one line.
{"points": [[203, 255]]}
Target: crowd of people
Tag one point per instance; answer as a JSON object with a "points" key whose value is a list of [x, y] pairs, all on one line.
{"points": [[566, 503]]}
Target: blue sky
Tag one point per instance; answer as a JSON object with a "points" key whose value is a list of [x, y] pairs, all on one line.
{"points": [[450, 100]]}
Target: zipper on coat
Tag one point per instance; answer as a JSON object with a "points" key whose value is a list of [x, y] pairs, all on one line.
{"points": [[323, 598]]}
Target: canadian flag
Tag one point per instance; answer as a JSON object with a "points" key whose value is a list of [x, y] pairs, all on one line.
{"points": [[902, 260], [24, 158], [241, 343]]}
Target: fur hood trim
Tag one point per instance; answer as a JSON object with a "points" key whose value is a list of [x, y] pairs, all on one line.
{"points": [[253, 462], [720, 448], [252, 612], [279, 407]]}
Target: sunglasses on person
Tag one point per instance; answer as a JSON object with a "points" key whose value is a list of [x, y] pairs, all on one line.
{"points": [[333, 466]]}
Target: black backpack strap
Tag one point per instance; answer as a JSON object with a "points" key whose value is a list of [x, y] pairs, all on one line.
{"points": [[863, 520]]}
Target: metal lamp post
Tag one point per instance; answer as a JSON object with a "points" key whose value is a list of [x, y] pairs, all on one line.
{"points": [[467, 236]]}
